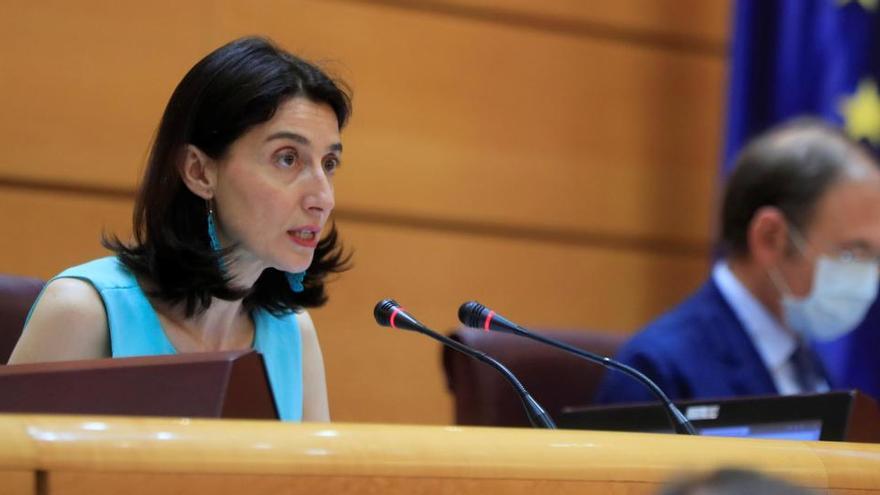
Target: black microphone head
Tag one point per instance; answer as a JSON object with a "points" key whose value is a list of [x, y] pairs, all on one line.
{"points": [[473, 314], [383, 311]]}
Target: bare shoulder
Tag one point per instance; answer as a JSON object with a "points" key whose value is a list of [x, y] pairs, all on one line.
{"points": [[73, 297], [68, 322]]}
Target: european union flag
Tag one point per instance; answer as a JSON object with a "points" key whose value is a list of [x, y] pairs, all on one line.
{"points": [[821, 58]]}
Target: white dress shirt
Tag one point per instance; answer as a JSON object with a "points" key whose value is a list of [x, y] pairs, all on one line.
{"points": [[775, 343]]}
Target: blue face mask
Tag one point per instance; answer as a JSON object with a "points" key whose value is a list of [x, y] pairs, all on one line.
{"points": [[842, 292]]}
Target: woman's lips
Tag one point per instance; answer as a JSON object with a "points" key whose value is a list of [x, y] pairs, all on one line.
{"points": [[304, 237]]}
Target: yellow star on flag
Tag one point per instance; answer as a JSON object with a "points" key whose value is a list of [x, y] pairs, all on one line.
{"points": [[866, 4], [861, 112]]}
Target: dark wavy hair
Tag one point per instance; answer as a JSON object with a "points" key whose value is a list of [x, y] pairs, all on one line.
{"points": [[231, 90]]}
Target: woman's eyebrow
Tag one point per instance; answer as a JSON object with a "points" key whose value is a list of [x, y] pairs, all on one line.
{"points": [[299, 138]]}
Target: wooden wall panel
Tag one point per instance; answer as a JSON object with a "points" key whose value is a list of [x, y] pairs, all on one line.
{"points": [[45, 232], [21, 482], [83, 84], [691, 22]]}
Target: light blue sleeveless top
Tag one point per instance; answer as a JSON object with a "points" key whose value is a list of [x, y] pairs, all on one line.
{"points": [[135, 331]]}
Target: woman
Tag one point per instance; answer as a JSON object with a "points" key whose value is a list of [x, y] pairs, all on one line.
{"points": [[227, 248]]}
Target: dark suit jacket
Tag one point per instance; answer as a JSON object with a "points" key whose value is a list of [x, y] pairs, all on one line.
{"points": [[697, 350]]}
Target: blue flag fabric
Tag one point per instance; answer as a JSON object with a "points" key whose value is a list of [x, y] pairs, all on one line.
{"points": [[819, 58]]}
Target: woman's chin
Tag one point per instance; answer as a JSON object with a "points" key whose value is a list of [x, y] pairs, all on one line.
{"points": [[293, 267]]}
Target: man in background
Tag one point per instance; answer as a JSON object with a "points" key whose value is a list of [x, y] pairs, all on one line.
{"points": [[800, 226]]}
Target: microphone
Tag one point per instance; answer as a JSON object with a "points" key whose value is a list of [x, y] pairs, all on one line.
{"points": [[388, 313], [474, 314]]}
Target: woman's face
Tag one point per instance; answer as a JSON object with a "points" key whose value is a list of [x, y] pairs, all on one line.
{"points": [[274, 188]]}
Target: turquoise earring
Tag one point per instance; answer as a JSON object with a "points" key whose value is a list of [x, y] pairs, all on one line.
{"points": [[212, 230]]}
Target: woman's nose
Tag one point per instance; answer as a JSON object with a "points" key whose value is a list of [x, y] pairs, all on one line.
{"points": [[319, 197]]}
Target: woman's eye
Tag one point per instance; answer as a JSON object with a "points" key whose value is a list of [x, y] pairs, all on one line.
{"points": [[287, 159], [331, 164]]}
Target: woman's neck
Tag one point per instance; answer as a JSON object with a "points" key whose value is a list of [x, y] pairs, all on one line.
{"points": [[224, 326]]}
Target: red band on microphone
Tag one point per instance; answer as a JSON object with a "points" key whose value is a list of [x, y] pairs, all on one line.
{"points": [[488, 320], [393, 314]]}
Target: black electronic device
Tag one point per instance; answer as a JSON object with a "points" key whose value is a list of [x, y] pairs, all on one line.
{"points": [[847, 416]]}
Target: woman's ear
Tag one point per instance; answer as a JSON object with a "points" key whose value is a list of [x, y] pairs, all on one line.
{"points": [[768, 236], [199, 172]]}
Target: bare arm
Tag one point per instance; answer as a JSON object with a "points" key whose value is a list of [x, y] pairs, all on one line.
{"points": [[68, 323], [315, 406]]}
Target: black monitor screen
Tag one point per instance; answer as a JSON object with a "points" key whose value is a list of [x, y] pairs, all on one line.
{"points": [[801, 417]]}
